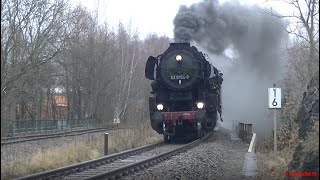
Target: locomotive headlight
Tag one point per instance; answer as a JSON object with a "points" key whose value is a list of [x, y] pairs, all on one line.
{"points": [[200, 105], [160, 107], [178, 57]]}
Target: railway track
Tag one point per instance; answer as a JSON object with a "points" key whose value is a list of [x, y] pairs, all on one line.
{"points": [[117, 165], [19, 139]]}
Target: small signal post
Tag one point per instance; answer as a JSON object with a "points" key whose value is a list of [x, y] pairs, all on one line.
{"points": [[274, 95]]}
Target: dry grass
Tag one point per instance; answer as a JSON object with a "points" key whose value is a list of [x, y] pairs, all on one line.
{"points": [[311, 144], [79, 151], [274, 165]]}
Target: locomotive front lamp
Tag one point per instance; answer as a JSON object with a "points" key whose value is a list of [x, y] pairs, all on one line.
{"points": [[160, 107], [200, 105], [178, 58]]}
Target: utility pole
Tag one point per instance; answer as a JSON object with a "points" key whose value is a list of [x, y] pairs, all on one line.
{"points": [[275, 129]]}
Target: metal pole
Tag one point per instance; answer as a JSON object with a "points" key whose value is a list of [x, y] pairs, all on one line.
{"points": [[106, 144], [275, 130]]}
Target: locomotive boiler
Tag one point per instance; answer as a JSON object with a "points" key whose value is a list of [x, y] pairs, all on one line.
{"points": [[185, 97]]}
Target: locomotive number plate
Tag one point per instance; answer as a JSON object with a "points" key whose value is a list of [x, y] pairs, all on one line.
{"points": [[179, 77]]}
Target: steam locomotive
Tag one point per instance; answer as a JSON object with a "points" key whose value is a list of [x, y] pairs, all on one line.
{"points": [[185, 97]]}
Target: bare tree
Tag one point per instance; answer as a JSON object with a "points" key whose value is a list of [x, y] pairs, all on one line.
{"points": [[45, 45], [304, 24], [302, 50], [33, 33]]}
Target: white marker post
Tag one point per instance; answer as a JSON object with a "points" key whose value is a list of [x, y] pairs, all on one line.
{"points": [[274, 103]]}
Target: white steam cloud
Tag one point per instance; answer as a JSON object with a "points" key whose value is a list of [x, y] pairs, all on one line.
{"points": [[256, 39]]}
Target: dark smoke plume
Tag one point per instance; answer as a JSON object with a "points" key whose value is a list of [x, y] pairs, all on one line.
{"points": [[256, 39]]}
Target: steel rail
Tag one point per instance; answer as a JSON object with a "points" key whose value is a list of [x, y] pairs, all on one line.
{"points": [[20, 139], [123, 171], [116, 172], [60, 172]]}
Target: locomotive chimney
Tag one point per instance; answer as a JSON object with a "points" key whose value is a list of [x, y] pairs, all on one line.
{"points": [[180, 44]]}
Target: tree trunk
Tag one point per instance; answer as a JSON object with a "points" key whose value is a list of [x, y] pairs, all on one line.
{"points": [[79, 103]]}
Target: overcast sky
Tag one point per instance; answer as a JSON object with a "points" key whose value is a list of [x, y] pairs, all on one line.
{"points": [[149, 16]]}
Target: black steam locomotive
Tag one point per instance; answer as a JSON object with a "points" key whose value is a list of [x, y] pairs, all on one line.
{"points": [[186, 90]]}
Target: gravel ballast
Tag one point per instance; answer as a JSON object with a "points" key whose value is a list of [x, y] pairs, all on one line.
{"points": [[218, 157]]}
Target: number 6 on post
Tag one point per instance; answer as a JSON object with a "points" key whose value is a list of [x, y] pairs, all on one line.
{"points": [[274, 98]]}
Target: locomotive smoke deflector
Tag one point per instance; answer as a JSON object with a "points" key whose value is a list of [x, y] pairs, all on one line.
{"points": [[149, 70]]}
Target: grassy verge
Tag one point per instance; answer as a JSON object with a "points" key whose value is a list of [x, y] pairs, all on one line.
{"points": [[274, 165], [79, 151]]}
